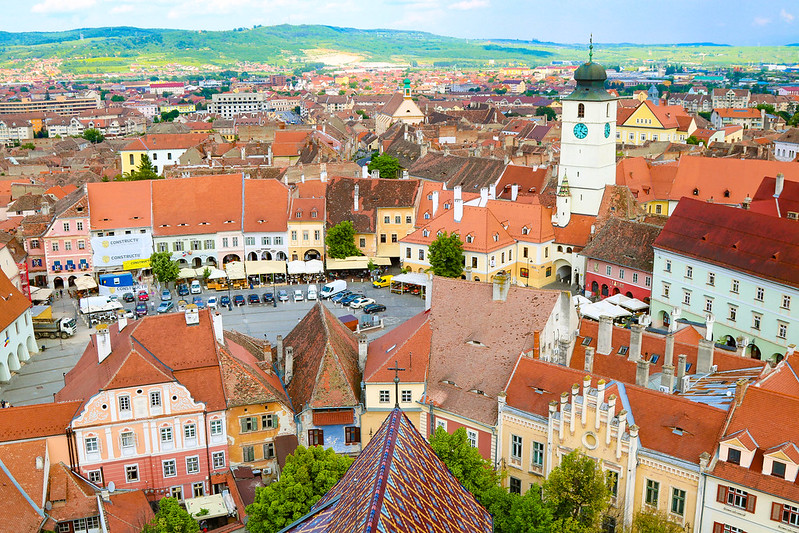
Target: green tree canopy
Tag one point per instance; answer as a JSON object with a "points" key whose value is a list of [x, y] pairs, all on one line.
{"points": [[164, 268], [169, 116], [309, 473], [577, 494], [93, 135], [547, 112], [654, 522], [117, 98], [692, 140], [464, 461], [171, 518], [446, 255], [340, 241], [388, 166], [145, 171]]}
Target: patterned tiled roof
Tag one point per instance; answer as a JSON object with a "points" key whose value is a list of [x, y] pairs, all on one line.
{"points": [[397, 484]]}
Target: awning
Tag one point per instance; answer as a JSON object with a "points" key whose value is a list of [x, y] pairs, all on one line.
{"points": [[296, 267], [215, 504], [411, 279], [215, 273], [356, 263], [235, 270], [40, 294], [85, 282], [186, 273], [314, 266], [255, 268], [603, 308], [333, 417], [632, 304], [41, 312]]}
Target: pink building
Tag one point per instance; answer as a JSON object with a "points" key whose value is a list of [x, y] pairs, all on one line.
{"points": [[66, 243], [153, 412]]}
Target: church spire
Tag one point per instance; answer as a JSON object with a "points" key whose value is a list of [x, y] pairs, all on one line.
{"points": [[591, 48], [564, 187]]}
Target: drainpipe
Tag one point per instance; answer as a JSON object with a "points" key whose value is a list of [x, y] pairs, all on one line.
{"points": [[207, 451]]}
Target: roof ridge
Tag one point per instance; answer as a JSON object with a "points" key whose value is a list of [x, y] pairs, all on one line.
{"points": [[381, 479]]}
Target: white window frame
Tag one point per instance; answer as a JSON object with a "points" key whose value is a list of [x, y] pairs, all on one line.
{"points": [[216, 427], [472, 437], [215, 459], [193, 464], [172, 464]]}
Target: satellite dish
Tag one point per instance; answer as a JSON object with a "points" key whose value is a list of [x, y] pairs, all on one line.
{"points": [[111, 486], [48, 506]]}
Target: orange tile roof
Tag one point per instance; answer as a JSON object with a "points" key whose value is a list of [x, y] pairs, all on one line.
{"points": [[784, 379], [120, 204], [19, 458], [261, 215], [577, 231], [531, 217], [127, 512], [170, 141], [408, 344], [311, 189], [203, 204], [36, 421], [733, 112], [12, 302], [71, 496], [425, 204], [302, 210], [487, 232]]}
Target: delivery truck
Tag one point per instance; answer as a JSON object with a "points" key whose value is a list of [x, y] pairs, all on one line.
{"points": [[44, 325]]}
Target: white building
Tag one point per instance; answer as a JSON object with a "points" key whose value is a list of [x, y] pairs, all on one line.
{"points": [[229, 105], [17, 341]]}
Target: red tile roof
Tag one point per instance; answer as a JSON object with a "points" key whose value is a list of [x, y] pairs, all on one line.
{"points": [[71, 496], [333, 417], [303, 210], [36, 421], [19, 458], [245, 382], [478, 222], [261, 215], [172, 141], [120, 204], [127, 512], [408, 344], [189, 206], [756, 244], [12, 302]]}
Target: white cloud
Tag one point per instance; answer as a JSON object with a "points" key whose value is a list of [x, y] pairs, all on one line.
{"points": [[761, 21], [123, 8], [787, 17], [47, 7], [465, 5]]}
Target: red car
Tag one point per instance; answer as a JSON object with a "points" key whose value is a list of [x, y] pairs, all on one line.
{"points": [[143, 296]]}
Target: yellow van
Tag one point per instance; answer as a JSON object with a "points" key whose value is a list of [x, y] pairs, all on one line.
{"points": [[383, 281]]}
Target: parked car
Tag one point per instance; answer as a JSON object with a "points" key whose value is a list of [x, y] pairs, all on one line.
{"points": [[165, 307], [224, 301], [312, 294], [183, 289], [346, 300], [141, 309], [128, 297], [269, 298], [198, 301], [374, 308], [212, 303], [382, 281], [298, 296], [333, 288], [166, 295], [340, 296], [253, 299], [143, 296], [363, 301], [238, 300], [282, 295], [196, 288]]}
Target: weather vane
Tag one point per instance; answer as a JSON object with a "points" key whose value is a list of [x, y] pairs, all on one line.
{"points": [[396, 368], [591, 48]]}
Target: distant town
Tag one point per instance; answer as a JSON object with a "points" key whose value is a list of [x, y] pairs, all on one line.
{"points": [[350, 296]]}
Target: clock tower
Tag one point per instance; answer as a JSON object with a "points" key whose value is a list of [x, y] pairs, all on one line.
{"points": [[588, 138]]}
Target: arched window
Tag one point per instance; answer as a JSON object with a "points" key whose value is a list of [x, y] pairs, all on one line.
{"points": [[580, 110]]}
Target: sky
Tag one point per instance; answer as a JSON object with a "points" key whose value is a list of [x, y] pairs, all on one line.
{"points": [[765, 22]]}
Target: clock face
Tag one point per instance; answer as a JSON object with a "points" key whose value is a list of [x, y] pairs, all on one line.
{"points": [[607, 130], [580, 130]]}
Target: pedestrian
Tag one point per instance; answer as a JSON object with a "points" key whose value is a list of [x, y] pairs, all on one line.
{"points": [[2, 404], [60, 293]]}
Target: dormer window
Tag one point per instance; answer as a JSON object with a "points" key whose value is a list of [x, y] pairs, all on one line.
{"points": [[446, 205], [470, 238], [778, 469], [298, 214], [426, 233], [525, 230], [427, 216], [496, 237], [734, 456], [313, 213]]}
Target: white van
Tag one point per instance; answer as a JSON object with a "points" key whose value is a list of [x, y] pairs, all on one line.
{"points": [[195, 287], [334, 287], [311, 292]]}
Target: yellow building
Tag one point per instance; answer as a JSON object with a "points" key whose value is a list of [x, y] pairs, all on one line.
{"points": [[400, 108], [650, 122], [306, 229], [651, 457], [185, 107]]}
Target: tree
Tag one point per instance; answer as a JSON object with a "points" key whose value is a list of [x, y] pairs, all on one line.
{"points": [[388, 166], [309, 473], [145, 171], [171, 518], [446, 255], [117, 98], [547, 112], [465, 462], [340, 241], [93, 135], [654, 522], [577, 494], [692, 140], [164, 268], [169, 116]]}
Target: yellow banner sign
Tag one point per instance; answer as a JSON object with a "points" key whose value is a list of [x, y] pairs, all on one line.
{"points": [[136, 263]]}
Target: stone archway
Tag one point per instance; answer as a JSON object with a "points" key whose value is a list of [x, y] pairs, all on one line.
{"points": [[197, 262], [628, 294], [13, 362], [604, 292], [616, 291], [266, 256], [281, 256], [22, 353], [230, 258], [252, 256], [58, 283], [753, 351], [71, 281], [32, 348], [563, 271], [729, 340], [5, 374], [312, 254], [594, 288]]}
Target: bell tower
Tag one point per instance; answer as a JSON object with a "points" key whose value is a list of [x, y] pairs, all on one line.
{"points": [[588, 138]]}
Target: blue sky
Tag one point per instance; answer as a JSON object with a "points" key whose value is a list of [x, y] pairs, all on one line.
{"points": [[764, 22]]}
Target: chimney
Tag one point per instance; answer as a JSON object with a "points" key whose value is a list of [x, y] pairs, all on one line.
{"points": [[323, 172], [586, 390], [514, 192], [302, 177], [642, 373], [704, 357], [122, 322], [218, 330], [668, 357], [279, 350], [740, 390], [363, 350], [709, 319], [611, 412], [192, 315], [483, 195], [589, 360], [435, 202], [375, 174], [103, 342], [682, 363], [778, 185], [605, 336], [492, 191], [356, 198], [675, 315], [405, 174], [458, 211], [563, 350], [667, 378], [288, 372], [636, 339], [365, 171], [501, 287], [457, 192]]}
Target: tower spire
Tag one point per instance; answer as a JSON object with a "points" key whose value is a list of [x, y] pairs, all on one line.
{"points": [[591, 48]]}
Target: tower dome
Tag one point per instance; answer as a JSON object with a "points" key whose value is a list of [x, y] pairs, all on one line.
{"points": [[590, 78]]}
